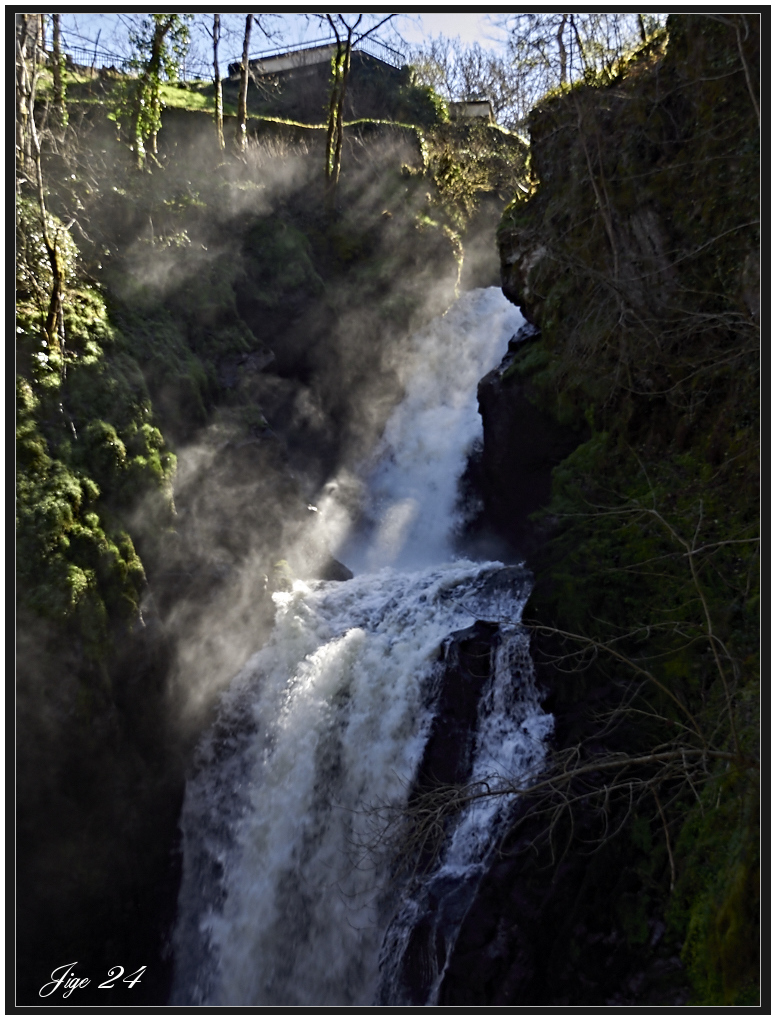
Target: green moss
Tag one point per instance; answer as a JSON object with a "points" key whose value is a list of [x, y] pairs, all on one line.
{"points": [[67, 565], [279, 257], [33, 270], [667, 379], [86, 454], [717, 902]]}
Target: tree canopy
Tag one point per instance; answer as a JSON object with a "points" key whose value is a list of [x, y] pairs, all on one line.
{"points": [[544, 51]]}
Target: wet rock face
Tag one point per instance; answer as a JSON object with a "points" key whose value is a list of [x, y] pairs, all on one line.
{"points": [[520, 254], [467, 656], [521, 446], [467, 659]]}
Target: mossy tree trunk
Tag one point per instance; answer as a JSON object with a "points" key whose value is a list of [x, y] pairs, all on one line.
{"points": [[26, 61], [335, 126], [347, 36], [146, 109], [54, 327]]}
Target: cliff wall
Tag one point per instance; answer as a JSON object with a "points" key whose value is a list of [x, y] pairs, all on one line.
{"points": [[634, 252]]}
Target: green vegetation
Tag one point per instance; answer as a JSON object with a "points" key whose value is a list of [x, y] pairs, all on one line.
{"points": [[191, 96], [159, 45], [467, 161], [208, 305], [184, 280], [636, 252], [87, 452]]}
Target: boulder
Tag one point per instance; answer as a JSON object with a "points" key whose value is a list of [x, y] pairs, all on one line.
{"points": [[333, 570]]}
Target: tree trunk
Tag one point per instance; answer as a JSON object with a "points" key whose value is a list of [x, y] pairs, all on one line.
{"points": [[53, 316], [242, 103], [219, 115], [148, 90], [59, 84], [562, 51], [335, 126], [580, 47], [642, 29], [28, 37], [23, 88], [331, 120]]}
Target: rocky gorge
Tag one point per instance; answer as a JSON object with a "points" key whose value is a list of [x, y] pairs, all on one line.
{"points": [[219, 315]]}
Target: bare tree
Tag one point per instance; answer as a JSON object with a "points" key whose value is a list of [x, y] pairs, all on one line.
{"points": [[263, 23], [58, 68], [219, 98], [348, 32], [562, 50], [25, 92], [242, 101], [553, 49], [29, 36], [29, 43], [459, 72]]}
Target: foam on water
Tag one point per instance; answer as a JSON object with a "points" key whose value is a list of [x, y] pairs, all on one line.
{"points": [[283, 900]]}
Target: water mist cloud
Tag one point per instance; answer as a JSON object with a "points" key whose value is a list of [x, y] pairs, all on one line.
{"points": [[340, 369]]}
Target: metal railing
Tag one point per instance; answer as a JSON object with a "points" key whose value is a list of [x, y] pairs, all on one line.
{"points": [[92, 57], [382, 51], [373, 47]]}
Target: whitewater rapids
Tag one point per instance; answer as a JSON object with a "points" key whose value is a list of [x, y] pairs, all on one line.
{"points": [[288, 896]]}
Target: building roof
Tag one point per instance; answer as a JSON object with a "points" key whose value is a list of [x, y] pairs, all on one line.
{"points": [[318, 52]]}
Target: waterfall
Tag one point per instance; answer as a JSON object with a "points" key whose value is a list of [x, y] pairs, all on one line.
{"points": [[291, 895]]}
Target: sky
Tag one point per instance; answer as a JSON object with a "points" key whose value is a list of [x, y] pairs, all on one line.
{"points": [[468, 27], [111, 32]]}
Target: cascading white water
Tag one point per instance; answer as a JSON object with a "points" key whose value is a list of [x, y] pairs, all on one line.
{"points": [[412, 485], [283, 902]]}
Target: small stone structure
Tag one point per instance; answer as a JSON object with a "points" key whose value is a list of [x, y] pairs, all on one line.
{"points": [[471, 108]]}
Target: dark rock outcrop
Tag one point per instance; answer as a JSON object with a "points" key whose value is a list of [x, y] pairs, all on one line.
{"points": [[539, 934], [441, 902], [234, 367], [333, 570], [467, 656], [521, 446], [519, 255]]}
